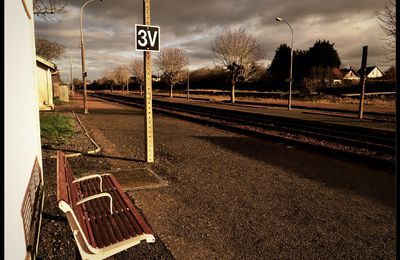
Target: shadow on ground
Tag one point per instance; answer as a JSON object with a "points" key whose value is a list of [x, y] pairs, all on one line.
{"points": [[334, 172]]}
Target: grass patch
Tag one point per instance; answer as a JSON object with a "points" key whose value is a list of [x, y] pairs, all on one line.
{"points": [[57, 101], [56, 127]]}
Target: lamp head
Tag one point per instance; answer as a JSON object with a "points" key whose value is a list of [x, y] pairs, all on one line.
{"points": [[278, 19]]}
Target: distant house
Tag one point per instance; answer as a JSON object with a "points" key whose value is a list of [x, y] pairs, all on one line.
{"points": [[156, 78], [372, 72], [45, 69], [349, 75]]}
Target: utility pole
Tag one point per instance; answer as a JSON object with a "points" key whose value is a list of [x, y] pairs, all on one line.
{"points": [[84, 74], [71, 80], [362, 80], [148, 91]]}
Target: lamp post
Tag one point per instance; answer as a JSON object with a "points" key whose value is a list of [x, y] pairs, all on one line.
{"points": [[84, 73], [291, 63]]}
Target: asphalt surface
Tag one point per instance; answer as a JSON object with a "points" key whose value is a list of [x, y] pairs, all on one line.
{"points": [[231, 196]]}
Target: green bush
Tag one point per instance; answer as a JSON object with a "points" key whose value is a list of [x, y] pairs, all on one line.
{"points": [[56, 127]]}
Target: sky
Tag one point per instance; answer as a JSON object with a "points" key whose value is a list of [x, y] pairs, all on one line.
{"points": [[109, 28]]}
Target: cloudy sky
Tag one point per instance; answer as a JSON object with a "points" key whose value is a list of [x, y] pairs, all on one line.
{"points": [[191, 25]]}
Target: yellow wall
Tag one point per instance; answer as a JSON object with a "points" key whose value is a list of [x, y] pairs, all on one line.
{"points": [[44, 85]]}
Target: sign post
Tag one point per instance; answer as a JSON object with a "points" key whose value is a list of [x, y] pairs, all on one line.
{"points": [[147, 37], [147, 40], [362, 80]]}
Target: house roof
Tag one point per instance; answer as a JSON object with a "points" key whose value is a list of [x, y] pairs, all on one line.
{"points": [[46, 62], [345, 71], [369, 69]]}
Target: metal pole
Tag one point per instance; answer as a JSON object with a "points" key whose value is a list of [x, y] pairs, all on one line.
{"points": [[362, 80], [71, 79], [83, 66], [148, 91], [188, 83], [291, 72], [84, 74], [291, 63]]}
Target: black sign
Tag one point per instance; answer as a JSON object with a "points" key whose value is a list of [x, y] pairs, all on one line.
{"points": [[147, 38]]}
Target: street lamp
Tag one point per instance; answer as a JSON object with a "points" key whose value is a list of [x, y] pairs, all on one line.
{"points": [[291, 63], [84, 73]]}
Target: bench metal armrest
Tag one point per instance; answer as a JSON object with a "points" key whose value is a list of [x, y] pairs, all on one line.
{"points": [[91, 177], [104, 194]]}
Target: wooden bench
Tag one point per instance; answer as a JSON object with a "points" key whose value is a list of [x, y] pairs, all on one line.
{"points": [[102, 217]]}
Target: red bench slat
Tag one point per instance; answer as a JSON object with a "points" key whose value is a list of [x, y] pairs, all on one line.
{"points": [[133, 210], [112, 230], [99, 226], [121, 231], [135, 226]]}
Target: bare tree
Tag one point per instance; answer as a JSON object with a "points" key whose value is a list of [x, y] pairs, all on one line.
{"points": [[49, 50], [76, 82], [390, 73], [387, 22], [172, 62], [121, 75], [239, 53], [137, 69], [109, 74], [48, 9]]}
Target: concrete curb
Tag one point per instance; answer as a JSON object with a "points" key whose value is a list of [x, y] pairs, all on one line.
{"points": [[87, 134]]}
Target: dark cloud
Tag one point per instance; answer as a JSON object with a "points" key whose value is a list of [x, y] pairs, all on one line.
{"points": [[192, 25]]}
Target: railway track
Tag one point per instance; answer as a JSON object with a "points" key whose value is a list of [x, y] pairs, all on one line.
{"points": [[368, 115], [356, 141]]}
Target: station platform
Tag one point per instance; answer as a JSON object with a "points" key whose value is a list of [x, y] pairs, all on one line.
{"points": [[230, 196]]}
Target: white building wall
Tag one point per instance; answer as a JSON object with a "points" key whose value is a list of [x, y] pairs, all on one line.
{"points": [[375, 73], [22, 127]]}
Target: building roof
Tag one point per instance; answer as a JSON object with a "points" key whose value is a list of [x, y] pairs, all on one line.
{"points": [[369, 69], [345, 71], [46, 62]]}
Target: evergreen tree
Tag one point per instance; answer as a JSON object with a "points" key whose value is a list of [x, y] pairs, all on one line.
{"points": [[280, 65], [322, 54]]}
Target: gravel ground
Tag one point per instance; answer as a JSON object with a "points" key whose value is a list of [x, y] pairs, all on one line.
{"points": [[231, 196], [56, 240]]}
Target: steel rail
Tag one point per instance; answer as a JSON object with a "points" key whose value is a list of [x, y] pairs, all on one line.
{"points": [[378, 141]]}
